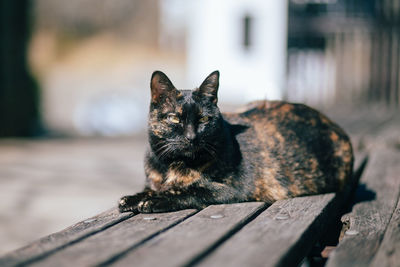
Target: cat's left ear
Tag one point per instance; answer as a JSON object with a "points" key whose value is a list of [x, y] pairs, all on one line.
{"points": [[209, 87], [161, 86]]}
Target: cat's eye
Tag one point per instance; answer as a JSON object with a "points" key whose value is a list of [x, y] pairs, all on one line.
{"points": [[173, 118], [204, 119]]}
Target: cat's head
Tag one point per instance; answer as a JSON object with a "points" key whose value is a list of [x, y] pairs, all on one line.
{"points": [[184, 124]]}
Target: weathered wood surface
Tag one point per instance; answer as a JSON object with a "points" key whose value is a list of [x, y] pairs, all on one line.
{"points": [[280, 236], [115, 240], [247, 234], [389, 251], [59, 240], [184, 243], [370, 217], [283, 234]]}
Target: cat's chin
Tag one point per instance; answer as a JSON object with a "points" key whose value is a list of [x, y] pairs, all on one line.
{"points": [[189, 154]]}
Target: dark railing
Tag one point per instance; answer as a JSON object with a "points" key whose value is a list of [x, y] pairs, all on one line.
{"points": [[344, 51]]}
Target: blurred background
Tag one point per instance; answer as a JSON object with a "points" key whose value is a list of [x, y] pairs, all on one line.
{"points": [[74, 83]]}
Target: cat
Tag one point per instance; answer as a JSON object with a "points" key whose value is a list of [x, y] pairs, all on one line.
{"points": [[198, 156]]}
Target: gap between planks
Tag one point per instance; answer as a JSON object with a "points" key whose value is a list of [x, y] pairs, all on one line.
{"points": [[284, 233], [280, 235], [193, 238], [48, 245], [80, 250], [115, 241], [389, 250], [58, 241], [369, 218]]}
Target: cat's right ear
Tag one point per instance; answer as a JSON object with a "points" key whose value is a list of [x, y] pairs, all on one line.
{"points": [[209, 87], [160, 86]]}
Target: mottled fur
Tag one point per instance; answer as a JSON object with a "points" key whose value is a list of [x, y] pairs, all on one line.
{"points": [[270, 150]]}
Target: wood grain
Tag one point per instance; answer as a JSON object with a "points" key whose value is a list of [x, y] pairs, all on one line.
{"points": [[280, 236], [389, 251], [370, 217], [53, 242], [115, 240], [193, 237], [284, 233]]}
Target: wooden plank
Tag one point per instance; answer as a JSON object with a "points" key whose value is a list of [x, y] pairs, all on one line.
{"points": [[193, 237], [284, 233], [281, 236], [53, 242], [370, 217], [116, 240], [389, 251]]}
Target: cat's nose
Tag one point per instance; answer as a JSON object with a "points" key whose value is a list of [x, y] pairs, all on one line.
{"points": [[189, 133]]}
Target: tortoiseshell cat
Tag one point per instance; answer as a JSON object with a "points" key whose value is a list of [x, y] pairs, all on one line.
{"points": [[271, 151]]}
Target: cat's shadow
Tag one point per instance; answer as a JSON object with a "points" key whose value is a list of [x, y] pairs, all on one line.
{"points": [[362, 192]]}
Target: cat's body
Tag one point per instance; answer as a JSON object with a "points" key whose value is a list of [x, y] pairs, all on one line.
{"points": [[270, 151]]}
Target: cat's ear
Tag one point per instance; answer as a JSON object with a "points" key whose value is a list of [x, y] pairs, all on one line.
{"points": [[209, 87], [160, 86]]}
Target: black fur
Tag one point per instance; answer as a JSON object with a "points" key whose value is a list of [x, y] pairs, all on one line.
{"points": [[271, 151]]}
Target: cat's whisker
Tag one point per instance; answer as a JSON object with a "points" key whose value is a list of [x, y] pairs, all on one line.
{"points": [[163, 149], [167, 149], [160, 149]]}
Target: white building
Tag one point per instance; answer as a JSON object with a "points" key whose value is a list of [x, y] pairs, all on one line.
{"points": [[245, 40], [101, 83]]}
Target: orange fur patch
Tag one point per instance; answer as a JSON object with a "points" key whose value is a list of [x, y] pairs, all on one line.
{"points": [[155, 179], [182, 177], [267, 188], [334, 137]]}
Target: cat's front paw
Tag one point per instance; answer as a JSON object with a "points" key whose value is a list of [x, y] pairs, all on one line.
{"points": [[125, 204], [155, 204], [129, 203]]}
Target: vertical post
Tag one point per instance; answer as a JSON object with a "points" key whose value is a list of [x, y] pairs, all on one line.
{"points": [[19, 113], [247, 32]]}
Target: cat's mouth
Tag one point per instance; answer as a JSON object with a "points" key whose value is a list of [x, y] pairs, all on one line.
{"points": [[190, 150], [184, 149], [189, 154]]}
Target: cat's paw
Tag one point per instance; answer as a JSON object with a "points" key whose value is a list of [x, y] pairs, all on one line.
{"points": [[129, 203], [123, 204], [155, 204]]}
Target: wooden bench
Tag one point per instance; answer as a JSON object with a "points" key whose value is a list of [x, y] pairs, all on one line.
{"points": [[372, 226], [245, 234]]}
